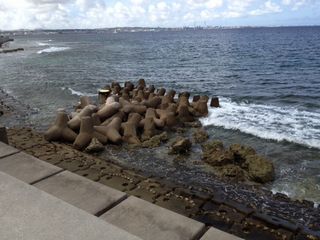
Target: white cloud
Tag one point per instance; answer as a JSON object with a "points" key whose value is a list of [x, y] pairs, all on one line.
{"points": [[294, 4], [16, 14], [268, 7]]}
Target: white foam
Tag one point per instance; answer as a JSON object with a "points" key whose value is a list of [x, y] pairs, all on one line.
{"points": [[43, 44], [78, 93], [269, 122], [53, 49]]}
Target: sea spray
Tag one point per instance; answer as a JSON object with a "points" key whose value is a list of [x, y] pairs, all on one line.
{"points": [[267, 121]]}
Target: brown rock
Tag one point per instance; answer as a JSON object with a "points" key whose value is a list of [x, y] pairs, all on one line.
{"points": [[260, 169], [181, 146], [200, 135], [219, 158], [155, 141], [241, 152], [215, 102]]}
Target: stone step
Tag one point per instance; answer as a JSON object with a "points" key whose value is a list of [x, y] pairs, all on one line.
{"points": [[6, 150], [148, 221], [35, 217], [216, 234], [27, 213], [27, 168], [81, 192]]}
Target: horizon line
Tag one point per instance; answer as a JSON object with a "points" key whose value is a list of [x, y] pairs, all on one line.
{"points": [[184, 27]]}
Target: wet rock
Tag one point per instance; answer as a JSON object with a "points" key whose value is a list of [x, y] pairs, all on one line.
{"points": [[215, 102], [95, 146], [259, 169], [200, 135], [195, 124], [212, 146], [232, 171], [241, 152], [181, 146], [155, 141], [219, 158]]}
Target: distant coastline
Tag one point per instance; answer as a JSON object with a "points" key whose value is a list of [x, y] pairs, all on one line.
{"points": [[141, 29]]}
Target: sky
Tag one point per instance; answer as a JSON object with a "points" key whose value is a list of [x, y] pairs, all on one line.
{"points": [[68, 14]]}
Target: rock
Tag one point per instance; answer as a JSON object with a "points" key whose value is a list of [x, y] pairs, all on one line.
{"points": [[232, 171], [181, 146], [241, 152], [212, 146], [195, 124], [95, 146], [219, 158], [155, 141], [200, 135], [260, 169], [215, 102]]}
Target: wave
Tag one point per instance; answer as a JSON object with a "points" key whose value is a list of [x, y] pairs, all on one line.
{"points": [[269, 122], [53, 49], [78, 93]]}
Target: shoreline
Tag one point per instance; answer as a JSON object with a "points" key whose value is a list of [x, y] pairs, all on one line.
{"points": [[229, 206], [216, 207]]}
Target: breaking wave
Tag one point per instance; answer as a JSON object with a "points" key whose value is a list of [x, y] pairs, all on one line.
{"points": [[78, 93], [269, 122], [53, 49]]}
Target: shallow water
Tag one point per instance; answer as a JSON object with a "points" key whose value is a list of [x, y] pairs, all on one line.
{"points": [[268, 81]]}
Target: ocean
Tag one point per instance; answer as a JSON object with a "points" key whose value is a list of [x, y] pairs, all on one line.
{"points": [[267, 80]]}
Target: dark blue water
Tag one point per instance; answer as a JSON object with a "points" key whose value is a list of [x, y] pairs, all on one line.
{"points": [[268, 81]]}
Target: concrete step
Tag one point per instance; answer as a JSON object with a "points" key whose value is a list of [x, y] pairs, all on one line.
{"points": [[81, 192], [62, 205], [27, 168], [27, 213], [149, 221]]}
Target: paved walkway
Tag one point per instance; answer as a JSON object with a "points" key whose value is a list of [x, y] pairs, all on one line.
{"points": [[41, 201]]}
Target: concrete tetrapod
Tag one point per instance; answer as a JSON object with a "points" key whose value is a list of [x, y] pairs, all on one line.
{"points": [[149, 129], [151, 113], [60, 130], [75, 122], [130, 129], [110, 108], [86, 134], [111, 131]]}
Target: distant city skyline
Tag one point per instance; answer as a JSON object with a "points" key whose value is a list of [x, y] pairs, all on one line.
{"points": [[69, 14]]}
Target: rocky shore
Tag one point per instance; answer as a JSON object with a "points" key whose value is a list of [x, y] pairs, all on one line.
{"points": [[234, 199], [143, 116]]}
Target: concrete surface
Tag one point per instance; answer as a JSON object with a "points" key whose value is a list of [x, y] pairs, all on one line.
{"points": [[27, 213], [216, 234], [6, 150], [27, 168], [81, 192], [149, 221]]}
